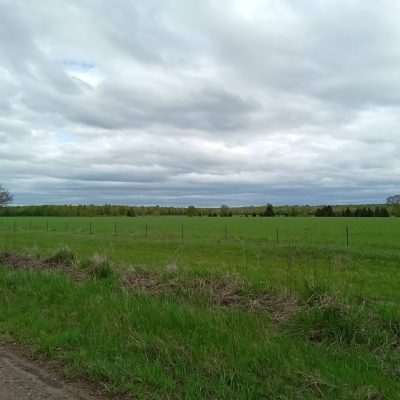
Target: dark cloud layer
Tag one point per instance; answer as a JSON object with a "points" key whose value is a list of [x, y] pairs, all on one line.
{"points": [[188, 102]]}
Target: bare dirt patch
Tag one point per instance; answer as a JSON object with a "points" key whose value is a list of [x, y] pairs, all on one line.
{"points": [[225, 293], [23, 262], [20, 261], [23, 379]]}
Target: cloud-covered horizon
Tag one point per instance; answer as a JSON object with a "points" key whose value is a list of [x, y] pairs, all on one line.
{"points": [[186, 102]]}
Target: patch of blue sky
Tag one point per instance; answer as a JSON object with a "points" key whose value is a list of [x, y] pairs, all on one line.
{"points": [[79, 65], [63, 137]]}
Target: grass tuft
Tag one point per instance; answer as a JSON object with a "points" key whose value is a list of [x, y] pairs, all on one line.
{"points": [[331, 321], [98, 267], [62, 256]]}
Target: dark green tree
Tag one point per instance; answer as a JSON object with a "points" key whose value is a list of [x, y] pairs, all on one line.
{"points": [[225, 211], [269, 211], [191, 211], [131, 212], [326, 211], [347, 212]]}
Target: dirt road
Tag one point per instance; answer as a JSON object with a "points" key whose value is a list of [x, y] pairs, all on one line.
{"points": [[21, 379]]}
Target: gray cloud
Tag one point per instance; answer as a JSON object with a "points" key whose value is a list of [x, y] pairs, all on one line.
{"points": [[181, 102]]}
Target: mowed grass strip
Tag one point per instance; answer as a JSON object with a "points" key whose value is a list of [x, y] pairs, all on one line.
{"points": [[160, 348]]}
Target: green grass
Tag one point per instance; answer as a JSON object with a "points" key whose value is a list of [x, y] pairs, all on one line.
{"points": [[157, 348], [312, 248], [381, 232], [341, 342]]}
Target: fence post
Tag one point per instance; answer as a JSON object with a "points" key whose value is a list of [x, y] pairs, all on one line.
{"points": [[182, 233], [115, 228], [90, 229], [47, 225], [146, 232], [277, 235], [347, 237], [15, 226]]}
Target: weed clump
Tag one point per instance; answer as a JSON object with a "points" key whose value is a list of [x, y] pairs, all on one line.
{"points": [[325, 319], [98, 267], [62, 256]]}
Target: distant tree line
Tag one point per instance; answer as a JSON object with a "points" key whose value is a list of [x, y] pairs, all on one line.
{"points": [[392, 208], [328, 211], [224, 211], [130, 211], [106, 210]]}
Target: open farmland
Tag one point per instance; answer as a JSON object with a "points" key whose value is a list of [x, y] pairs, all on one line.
{"points": [[276, 251], [224, 308]]}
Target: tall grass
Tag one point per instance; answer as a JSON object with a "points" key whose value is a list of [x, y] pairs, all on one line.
{"points": [[341, 342], [157, 348]]}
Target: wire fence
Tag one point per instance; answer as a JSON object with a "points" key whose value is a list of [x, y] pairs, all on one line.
{"points": [[344, 235]]}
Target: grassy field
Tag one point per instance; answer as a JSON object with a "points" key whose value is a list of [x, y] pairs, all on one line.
{"points": [[218, 308]]}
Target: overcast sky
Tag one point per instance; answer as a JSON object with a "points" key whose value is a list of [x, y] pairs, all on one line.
{"points": [[200, 102]]}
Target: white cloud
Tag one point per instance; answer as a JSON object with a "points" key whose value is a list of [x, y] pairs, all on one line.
{"points": [[182, 102]]}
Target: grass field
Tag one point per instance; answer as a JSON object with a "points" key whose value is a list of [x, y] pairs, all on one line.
{"points": [[219, 308]]}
